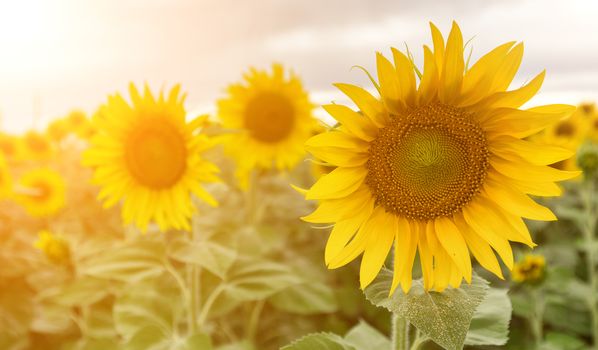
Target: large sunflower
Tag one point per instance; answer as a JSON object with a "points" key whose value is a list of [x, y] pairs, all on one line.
{"points": [[148, 155], [272, 117], [439, 169], [41, 192]]}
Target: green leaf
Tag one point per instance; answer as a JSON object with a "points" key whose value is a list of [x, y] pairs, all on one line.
{"points": [[146, 305], [149, 338], [444, 317], [82, 292], [213, 257], [258, 280], [363, 336], [131, 262], [320, 341], [306, 299], [197, 342], [490, 322]]}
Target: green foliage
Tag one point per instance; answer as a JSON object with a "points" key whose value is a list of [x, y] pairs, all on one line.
{"points": [[490, 322], [444, 317], [361, 337]]}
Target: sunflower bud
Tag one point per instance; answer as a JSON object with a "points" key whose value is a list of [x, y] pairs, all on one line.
{"points": [[587, 159]]}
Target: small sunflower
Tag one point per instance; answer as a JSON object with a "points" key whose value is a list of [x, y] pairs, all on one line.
{"points": [[35, 146], [5, 179], [57, 130], [273, 117], [438, 169], [55, 248], [531, 269], [9, 145], [41, 192], [568, 133], [146, 154]]}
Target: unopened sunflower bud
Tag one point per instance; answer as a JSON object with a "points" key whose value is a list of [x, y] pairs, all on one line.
{"points": [[531, 269], [55, 248]]}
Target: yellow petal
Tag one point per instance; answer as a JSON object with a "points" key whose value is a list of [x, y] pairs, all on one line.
{"points": [[442, 270], [514, 98], [506, 72], [488, 233], [480, 249], [389, 85], [429, 82], [334, 210], [341, 182], [355, 123], [425, 257], [344, 230], [405, 249], [376, 250], [516, 202], [452, 72], [519, 123], [352, 250], [406, 76], [478, 79], [336, 139], [438, 42], [368, 104], [339, 156], [508, 146], [452, 241], [527, 172]]}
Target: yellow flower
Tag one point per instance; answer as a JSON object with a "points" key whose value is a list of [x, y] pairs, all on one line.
{"points": [[41, 192], [57, 130], [438, 169], [35, 146], [5, 179], [568, 133], [9, 146], [148, 155], [54, 247], [272, 117], [531, 269]]}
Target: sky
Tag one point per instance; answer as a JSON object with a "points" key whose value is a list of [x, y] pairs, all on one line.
{"points": [[59, 55]]}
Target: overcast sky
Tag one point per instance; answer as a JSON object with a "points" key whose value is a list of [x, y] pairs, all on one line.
{"points": [[56, 55]]}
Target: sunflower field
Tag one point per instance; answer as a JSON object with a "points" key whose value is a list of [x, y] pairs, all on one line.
{"points": [[438, 210]]}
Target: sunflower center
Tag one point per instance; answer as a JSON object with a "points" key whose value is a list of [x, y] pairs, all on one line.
{"points": [[269, 117], [565, 129], [156, 153], [429, 163]]}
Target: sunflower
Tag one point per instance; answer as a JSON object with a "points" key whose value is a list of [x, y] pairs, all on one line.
{"points": [[5, 179], [55, 248], [437, 168], [41, 192], [531, 269], [147, 154], [57, 130], [568, 133], [35, 146], [9, 145], [272, 115]]}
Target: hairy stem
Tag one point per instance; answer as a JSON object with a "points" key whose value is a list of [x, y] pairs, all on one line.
{"points": [[400, 333]]}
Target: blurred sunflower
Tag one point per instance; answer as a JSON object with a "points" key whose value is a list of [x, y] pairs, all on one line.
{"points": [[273, 115], [9, 145], [55, 248], [41, 192], [57, 130], [531, 269], [439, 169], [568, 133], [5, 179], [35, 146], [148, 155]]}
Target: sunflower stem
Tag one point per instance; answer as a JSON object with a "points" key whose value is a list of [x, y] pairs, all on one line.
{"points": [[400, 333], [537, 316], [590, 243], [193, 274]]}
